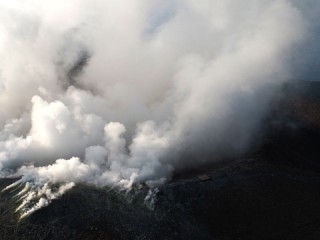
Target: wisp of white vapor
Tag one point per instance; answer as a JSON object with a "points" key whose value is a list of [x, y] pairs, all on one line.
{"points": [[125, 92]]}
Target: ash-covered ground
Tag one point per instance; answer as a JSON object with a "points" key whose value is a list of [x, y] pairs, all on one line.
{"points": [[273, 192]]}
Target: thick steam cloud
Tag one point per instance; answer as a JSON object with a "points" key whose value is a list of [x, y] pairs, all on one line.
{"points": [[125, 92]]}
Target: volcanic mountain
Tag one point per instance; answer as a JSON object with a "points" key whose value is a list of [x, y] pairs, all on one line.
{"points": [[272, 192]]}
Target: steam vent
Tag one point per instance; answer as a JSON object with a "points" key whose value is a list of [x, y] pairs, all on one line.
{"points": [[273, 192], [159, 120]]}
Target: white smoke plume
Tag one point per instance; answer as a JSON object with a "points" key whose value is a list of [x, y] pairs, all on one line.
{"points": [[126, 92]]}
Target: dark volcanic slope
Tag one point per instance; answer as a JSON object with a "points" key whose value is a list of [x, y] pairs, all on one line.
{"points": [[248, 200], [273, 193]]}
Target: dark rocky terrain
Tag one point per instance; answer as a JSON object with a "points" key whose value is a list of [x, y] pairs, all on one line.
{"points": [[271, 193]]}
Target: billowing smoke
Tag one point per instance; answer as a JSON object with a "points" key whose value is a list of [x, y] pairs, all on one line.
{"points": [[125, 92]]}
